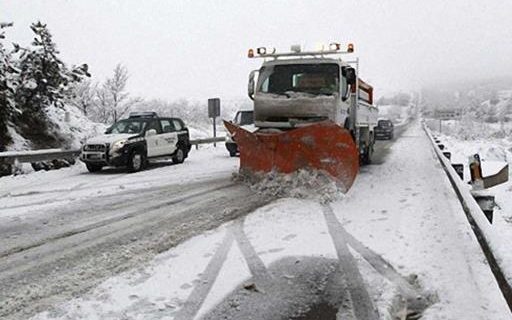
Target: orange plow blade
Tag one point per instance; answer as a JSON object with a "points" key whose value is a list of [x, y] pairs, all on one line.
{"points": [[323, 146]]}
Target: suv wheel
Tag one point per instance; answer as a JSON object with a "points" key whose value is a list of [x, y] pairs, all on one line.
{"points": [[136, 161], [179, 156], [93, 167]]}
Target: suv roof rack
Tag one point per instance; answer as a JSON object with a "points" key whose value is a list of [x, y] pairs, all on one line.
{"points": [[143, 115]]}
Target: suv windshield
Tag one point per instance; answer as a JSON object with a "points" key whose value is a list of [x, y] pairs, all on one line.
{"points": [[128, 126], [313, 79], [244, 118]]}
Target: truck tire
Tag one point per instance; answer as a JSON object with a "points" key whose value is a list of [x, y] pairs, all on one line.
{"points": [[179, 156], [136, 161], [93, 167], [368, 152], [365, 158]]}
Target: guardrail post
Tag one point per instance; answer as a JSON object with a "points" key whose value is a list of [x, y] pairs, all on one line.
{"points": [[15, 168], [487, 204], [459, 168], [475, 169], [5, 168]]}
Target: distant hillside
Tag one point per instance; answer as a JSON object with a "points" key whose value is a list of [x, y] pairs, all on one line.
{"points": [[484, 108], [484, 101]]}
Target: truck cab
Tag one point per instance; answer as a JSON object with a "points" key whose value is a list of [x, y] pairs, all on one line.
{"points": [[300, 88]]}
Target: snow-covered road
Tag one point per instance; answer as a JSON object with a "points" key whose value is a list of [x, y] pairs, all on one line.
{"points": [[61, 232], [398, 242]]}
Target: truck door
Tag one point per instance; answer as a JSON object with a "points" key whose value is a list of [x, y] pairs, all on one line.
{"points": [[153, 142], [169, 137]]}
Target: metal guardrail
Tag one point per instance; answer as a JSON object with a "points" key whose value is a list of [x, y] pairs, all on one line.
{"points": [[197, 142], [37, 155], [11, 157], [480, 224]]}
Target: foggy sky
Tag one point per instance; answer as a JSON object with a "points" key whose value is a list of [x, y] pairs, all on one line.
{"points": [[197, 49]]}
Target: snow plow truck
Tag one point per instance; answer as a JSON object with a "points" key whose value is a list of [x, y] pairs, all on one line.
{"points": [[311, 110]]}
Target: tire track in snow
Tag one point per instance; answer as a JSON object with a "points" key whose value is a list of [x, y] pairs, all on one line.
{"points": [[357, 303], [37, 278], [80, 186], [105, 222], [363, 308], [200, 292], [235, 233], [79, 215], [254, 262], [379, 264]]}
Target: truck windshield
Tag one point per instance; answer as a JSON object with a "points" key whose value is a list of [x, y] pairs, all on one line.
{"points": [[313, 79], [243, 118], [127, 126]]}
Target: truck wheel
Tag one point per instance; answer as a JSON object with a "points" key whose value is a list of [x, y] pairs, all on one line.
{"points": [[367, 156], [179, 156], [93, 167], [136, 161]]}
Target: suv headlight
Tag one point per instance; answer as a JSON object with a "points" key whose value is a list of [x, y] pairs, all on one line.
{"points": [[118, 145]]}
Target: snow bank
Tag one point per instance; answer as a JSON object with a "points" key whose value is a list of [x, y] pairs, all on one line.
{"points": [[302, 184], [18, 142], [495, 154], [469, 129], [74, 129], [77, 128]]}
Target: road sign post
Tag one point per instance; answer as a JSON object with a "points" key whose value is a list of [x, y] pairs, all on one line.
{"points": [[214, 112]]}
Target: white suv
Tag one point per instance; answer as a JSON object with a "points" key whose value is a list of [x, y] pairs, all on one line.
{"points": [[131, 142]]}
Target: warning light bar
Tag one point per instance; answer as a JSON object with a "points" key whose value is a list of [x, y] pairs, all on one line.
{"points": [[334, 48]]}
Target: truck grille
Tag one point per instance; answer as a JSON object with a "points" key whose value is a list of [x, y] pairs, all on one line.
{"points": [[94, 147]]}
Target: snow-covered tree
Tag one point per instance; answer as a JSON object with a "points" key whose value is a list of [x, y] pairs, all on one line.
{"points": [[492, 113], [113, 100], [7, 73], [84, 96], [44, 79], [33, 79]]}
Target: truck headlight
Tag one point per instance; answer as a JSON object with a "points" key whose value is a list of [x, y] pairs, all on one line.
{"points": [[118, 145]]}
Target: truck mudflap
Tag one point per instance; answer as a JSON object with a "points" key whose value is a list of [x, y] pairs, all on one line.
{"points": [[322, 146]]}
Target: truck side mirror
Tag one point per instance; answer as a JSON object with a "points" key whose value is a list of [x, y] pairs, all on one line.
{"points": [[251, 87], [349, 79], [350, 75]]}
